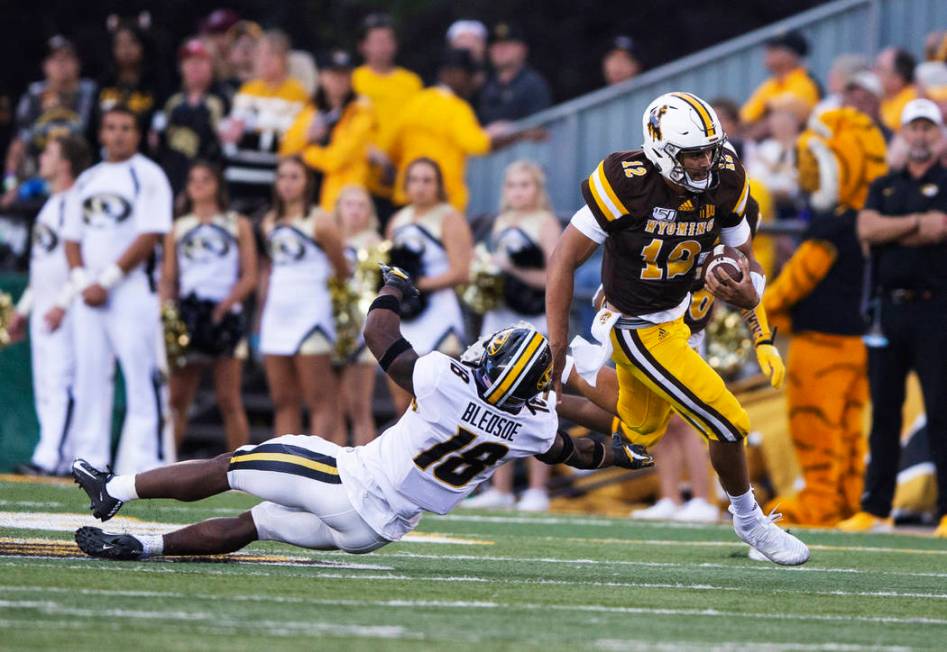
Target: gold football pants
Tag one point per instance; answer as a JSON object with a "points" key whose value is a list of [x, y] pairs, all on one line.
{"points": [[658, 372]]}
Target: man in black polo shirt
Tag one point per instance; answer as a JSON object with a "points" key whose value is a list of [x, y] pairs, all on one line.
{"points": [[514, 90], [905, 224]]}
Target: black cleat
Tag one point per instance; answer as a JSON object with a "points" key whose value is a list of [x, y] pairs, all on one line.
{"points": [[93, 483], [96, 543]]}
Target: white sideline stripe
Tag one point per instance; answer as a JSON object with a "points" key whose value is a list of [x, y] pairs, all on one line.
{"points": [[147, 567], [617, 645], [215, 619], [66, 522], [54, 608], [659, 564], [475, 579], [670, 542], [269, 628]]}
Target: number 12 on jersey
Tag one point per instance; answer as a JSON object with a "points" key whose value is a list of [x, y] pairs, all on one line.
{"points": [[678, 263], [458, 470]]}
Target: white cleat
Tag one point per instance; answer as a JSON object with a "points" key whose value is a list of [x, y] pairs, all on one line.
{"points": [[490, 499], [534, 500], [756, 555], [771, 541], [697, 510], [663, 510]]}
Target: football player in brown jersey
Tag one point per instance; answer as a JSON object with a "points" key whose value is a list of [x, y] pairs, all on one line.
{"points": [[656, 210]]}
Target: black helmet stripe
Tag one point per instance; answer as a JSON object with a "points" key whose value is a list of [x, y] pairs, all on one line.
{"points": [[508, 380]]}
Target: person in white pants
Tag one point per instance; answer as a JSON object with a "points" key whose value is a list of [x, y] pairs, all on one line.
{"points": [[44, 309], [122, 208]]}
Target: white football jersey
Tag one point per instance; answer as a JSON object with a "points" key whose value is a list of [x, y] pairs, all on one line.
{"points": [[446, 444], [48, 268], [208, 255], [116, 202]]}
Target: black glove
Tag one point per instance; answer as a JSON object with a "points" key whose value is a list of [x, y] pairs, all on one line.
{"points": [[629, 456], [399, 279]]}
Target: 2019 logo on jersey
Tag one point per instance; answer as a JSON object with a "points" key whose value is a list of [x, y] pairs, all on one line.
{"points": [[105, 209], [664, 214]]}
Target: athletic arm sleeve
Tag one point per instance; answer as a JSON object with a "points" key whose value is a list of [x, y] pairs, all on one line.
{"points": [[584, 221], [734, 236]]}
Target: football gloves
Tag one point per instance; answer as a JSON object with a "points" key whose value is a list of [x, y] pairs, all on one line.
{"points": [[629, 456], [397, 278]]}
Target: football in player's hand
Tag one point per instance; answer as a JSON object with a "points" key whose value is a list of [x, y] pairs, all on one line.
{"points": [[723, 262]]}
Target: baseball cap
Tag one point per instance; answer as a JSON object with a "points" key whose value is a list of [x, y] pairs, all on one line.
{"points": [[376, 20], [792, 41], [193, 48], [335, 60], [219, 21], [507, 32], [459, 27], [866, 80], [626, 44], [921, 109], [59, 43]]}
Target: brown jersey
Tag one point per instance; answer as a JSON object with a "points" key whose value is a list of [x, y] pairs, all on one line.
{"points": [[655, 235], [702, 302]]}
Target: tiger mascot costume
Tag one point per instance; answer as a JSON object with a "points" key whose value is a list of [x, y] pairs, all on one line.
{"points": [[820, 289]]}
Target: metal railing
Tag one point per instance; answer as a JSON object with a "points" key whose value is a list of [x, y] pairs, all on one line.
{"points": [[582, 131]]}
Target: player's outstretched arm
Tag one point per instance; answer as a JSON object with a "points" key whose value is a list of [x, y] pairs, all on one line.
{"points": [[383, 329], [587, 453], [574, 248]]}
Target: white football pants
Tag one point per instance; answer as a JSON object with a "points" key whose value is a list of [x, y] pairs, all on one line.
{"points": [[306, 504], [128, 328], [54, 370]]}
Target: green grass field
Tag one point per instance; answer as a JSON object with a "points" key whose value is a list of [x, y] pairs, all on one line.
{"points": [[502, 582]]}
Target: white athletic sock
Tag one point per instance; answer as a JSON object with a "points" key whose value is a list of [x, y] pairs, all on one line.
{"points": [[153, 544], [122, 487], [744, 507]]}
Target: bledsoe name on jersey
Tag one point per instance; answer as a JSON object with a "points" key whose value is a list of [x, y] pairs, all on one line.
{"points": [[442, 448]]}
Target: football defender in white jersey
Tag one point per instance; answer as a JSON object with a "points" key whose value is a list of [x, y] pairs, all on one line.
{"points": [[49, 297], [464, 421], [123, 206]]}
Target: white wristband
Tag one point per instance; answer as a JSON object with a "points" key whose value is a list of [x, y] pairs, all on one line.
{"points": [[65, 296], [25, 305], [759, 283], [79, 278], [111, 276]]}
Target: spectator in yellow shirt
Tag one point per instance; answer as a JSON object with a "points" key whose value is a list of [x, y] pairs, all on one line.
{"points": [[790, 80], [439, 124], [333, 132], [895, 68], [263, 109], [389, 87]]}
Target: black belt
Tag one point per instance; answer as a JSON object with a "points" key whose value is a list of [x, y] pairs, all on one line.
{"points": [[907, 295]]}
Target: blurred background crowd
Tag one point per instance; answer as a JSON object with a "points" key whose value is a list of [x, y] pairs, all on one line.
{"points": [[323, 158]]}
